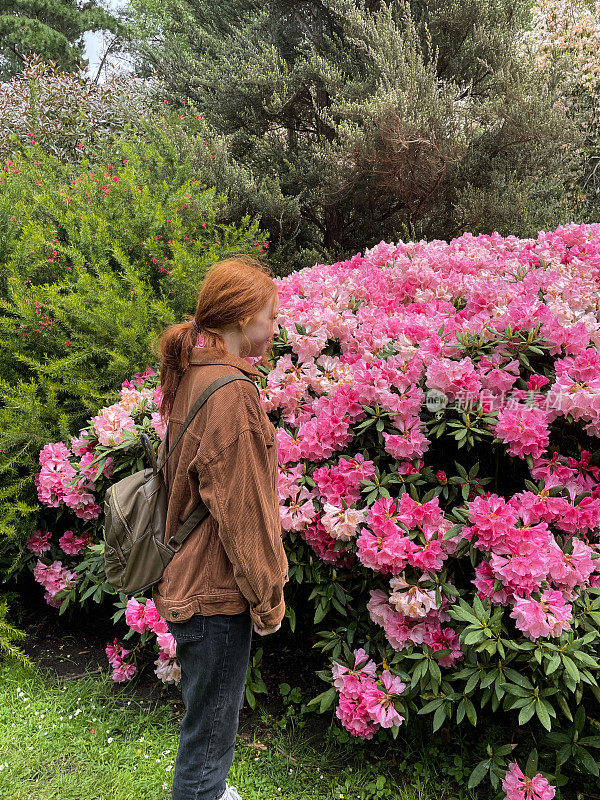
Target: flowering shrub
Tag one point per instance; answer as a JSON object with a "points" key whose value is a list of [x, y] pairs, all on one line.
{"points": [[437, 409], [36, 107], [95, 259]]}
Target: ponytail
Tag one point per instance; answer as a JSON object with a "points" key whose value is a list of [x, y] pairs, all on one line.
{"points": [[233, 291]]}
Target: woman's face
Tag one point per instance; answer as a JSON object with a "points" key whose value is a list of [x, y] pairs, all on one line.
{"points": [[263, 327]]}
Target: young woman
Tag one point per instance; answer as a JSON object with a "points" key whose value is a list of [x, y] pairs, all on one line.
{"points": [[227, 579]]}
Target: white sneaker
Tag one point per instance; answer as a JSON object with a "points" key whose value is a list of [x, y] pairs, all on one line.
{"points": [[231, 793]]}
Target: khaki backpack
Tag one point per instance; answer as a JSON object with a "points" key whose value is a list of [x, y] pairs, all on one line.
{"points": [[135, 515]]}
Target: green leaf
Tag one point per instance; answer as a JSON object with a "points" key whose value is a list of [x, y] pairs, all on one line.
{"points": [[542, 714], [570, 667], [431, 706], [517, 691], [478, 773], [588, 761], [439, 718], [526, 713]]}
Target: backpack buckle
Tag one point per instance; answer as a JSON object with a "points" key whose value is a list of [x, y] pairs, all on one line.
{"points": [[174, 544]]}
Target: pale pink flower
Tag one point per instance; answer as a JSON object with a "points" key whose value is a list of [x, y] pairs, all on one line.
{"points": [[167, 669], [342, 523]]}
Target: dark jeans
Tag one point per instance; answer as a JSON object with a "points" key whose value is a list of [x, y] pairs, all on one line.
{"points": [[213, 653]]}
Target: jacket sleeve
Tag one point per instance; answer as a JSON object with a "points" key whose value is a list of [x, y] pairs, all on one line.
{"points": [[237, 486]]}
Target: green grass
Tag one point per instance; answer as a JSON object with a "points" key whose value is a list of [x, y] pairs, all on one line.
{"points": [[85, 741]]}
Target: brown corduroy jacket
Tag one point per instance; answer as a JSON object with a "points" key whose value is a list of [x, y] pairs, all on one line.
{"points": [[228, 457]]}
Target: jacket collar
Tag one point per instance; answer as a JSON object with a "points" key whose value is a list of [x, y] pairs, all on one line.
{"points": [[201, 356]]}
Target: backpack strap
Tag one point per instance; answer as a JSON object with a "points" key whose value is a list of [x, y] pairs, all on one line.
{"points": [[200, 511], [225, 379]]}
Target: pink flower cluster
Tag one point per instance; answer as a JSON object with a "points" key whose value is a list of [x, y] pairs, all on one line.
{"points": [[116, 654], [548, 617], [142, 617], [403, 532], [54, 578], [410, 616], [519, 787], [58, 482], [522, 555], [366, 700], [67, 475]]}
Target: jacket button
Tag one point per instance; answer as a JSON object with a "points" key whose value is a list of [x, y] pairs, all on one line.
{"points": [[174, 614]]}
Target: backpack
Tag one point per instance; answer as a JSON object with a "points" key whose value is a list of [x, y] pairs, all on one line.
{"points": [[135, 515]]}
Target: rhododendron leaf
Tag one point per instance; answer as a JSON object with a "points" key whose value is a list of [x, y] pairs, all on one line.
{"points": [[439, 718], [87, 593], [471, 712], [431, 706], [570, 667], [326, 699], [579, 720], [564, 707], [435, 672], [321, 611], [418, 673], [552, 664], [291, 616], [526, 713], [590, 741], [588, 761], [489, 678], [117, 616], [479, 773], [339, 607], [586, 658], [531, 767], [472, 683], [542, 714], [452, 532], [520, 703], [461, 470], [516, 677], [517, 691], [473, 637]]}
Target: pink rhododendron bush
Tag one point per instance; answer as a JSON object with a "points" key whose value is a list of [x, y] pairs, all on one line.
{"points": [[438, 408]]}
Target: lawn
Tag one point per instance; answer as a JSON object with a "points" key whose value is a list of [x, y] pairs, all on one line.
{"points": [[87, 739]]}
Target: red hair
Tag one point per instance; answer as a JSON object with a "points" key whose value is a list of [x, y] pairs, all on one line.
{"points": [[232, 292]]}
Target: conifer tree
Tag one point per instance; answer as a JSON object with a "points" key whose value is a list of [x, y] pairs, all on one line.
{"points": [[53, 29], [370, 120]]}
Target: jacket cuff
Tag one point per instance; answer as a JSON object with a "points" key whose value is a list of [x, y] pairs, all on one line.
{"points": [[268, 618]]}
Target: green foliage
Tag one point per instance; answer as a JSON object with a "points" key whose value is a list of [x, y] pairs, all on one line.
{"points": [[53, 30], [9, 635], [95, 262], [372, 120]]}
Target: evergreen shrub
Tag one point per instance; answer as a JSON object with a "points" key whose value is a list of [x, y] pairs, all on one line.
{"points": [[95, 258], [437, 412]]}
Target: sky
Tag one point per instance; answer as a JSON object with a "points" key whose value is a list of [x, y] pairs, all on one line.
{"points": [[95, 42]]}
